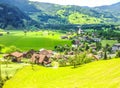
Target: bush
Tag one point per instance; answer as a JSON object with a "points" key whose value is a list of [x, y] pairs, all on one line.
{"points": [[118, 54], [79, 59], [62, 62]]}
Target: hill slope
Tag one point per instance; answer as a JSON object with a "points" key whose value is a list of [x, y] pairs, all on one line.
{"points": [[47, 15], [101, 74], [13, 17]]}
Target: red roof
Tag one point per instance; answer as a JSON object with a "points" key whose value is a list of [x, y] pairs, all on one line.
{"points": [[17, 54]]}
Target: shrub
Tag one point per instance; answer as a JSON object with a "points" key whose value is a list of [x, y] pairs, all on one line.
{"points": [[79, 59], [118, 54], [62, 62]]}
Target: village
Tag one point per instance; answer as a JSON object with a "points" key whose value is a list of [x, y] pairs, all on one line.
{"points": [[84, 45]]}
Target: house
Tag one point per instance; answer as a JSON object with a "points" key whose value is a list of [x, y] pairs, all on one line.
{"points": [[80, 31], [96, 39], [29, 53], [47, 53], [64, 37], [116, 47], [40, 59], [15, 56]]}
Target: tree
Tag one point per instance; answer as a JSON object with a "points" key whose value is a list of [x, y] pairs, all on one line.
{"points": [[86, 47], [118, 54], [105, 55], [98, 45]]}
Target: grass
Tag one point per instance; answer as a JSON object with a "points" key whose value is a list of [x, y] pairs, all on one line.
{"points": [[33, 40], [99, 74], [10, 70], [110, 42]]}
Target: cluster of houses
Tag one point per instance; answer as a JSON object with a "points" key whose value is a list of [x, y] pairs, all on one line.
{"points": [[116, 47], [39, 57]]}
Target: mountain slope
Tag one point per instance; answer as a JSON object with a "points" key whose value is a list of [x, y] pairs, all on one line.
{"points": [[46, 15], [23, 5], [100, 74], [111, 11], [12, 16]]}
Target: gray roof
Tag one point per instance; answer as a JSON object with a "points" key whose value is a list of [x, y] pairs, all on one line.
{"points": [[118, 44]]}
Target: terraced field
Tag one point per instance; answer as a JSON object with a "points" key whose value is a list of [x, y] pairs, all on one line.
{"points": [[33, 40], [99, 74]]}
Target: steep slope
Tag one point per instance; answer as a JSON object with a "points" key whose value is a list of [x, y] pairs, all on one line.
{"points": [[110, 11], [46, 15], [100, 74], [96, 15], [23, 5], [12, 16]]}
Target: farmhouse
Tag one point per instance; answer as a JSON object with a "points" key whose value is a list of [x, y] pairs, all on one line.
{"points": [[40, 59], [96, 39], [116, 47], [15, 56], [29, 53], [64, 37]]}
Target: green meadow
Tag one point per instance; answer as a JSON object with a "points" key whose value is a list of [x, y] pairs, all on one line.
{"points": [[33, 40], [110, 42], [99, 74]]}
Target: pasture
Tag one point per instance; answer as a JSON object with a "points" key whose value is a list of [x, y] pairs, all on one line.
{"points": [[33, 40], [99, 74], [11, 69], [110, 42]]}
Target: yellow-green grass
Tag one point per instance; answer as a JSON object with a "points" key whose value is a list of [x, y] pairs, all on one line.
{"points": [[99, 74], [10, 69], [33, 40], [110, 42]]}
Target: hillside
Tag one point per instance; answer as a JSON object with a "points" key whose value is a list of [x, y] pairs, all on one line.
{"points": [[12, 17], [54, 16], [23, 5], [111, 11], [100, 74]]}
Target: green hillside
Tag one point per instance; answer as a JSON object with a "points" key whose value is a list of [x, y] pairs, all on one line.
{"points": [[34, 40], [46, 15], [99, 74], [77, 18]]}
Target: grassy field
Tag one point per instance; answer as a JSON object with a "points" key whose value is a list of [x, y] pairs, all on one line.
{"points": [[11, 69], [99, 74], [33, 40], [110, 42]]}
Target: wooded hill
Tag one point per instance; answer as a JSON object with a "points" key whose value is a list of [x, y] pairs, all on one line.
{"points": [[45, 15]]}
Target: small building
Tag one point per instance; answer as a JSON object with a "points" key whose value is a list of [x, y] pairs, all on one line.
{"points": [[96, 39], [29, 53], [64, 37], [40, 59], [80, 31], [15, 56], [116, 47], [47, 53]]}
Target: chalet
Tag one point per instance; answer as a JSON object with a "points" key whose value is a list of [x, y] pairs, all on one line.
{"points": [[96, 39], [116, 47], [47, 53], [29, 53], [40, 59], [64, 37], [15, 56]]}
